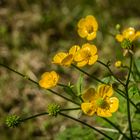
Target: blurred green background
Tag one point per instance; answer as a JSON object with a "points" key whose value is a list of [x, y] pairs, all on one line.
{"points": [[31, 32]]}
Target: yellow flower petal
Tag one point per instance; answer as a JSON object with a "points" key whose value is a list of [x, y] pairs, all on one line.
{"points": [[88, 108], [105, 91], [114, 103], [89, 95], [103, 112], [91, 36], [92, 21], [45, 74], [137, 35], [119, 37], [59, 57], [82, 33], [92, 49], [81, 23], [67, 60], [93, 59], [74, 49], [79, 56], [82, 63], [49, 79]]}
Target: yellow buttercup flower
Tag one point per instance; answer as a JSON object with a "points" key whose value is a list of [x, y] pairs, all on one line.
{"points": [[49, 79], [118, 64], [86, 55], [65, 59], [100, 101], [87, 27], [129, 34]]}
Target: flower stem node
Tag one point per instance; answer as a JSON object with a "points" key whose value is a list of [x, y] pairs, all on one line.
{"points": [[13, 121], [53, 109]]}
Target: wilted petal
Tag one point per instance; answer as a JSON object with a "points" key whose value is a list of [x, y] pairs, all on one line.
{"points": [[89, 95]]}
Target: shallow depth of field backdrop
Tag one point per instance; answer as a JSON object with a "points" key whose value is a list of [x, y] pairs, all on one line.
{"points": [[31, 32]]}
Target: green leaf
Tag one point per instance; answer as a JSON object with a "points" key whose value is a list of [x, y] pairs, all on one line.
{"points": [[134, 90], [109, 80], [68, 89], [79, 85]]}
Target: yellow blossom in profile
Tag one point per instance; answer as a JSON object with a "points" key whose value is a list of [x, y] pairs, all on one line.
{"points": [[118, 64], [87, 27], [49, 79], [100, 102], [129, 34], [65, 59], [86, 55]]}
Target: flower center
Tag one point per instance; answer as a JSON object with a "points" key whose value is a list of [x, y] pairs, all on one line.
{"points": [[89, 29], [101, 103], [126, 44]]}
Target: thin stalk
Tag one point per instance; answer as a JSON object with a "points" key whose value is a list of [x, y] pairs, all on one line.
{"points": [[120, 93], [66, 86], [105, 65], [71, 109], [72, 118], [128, 104], [93, 77], [26, 77], [34, 116], [125, 129], [116, 128], [63, 97]]}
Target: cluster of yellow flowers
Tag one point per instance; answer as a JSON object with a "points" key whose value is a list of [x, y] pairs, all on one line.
{"points": [[85, 55], [94, 101]]}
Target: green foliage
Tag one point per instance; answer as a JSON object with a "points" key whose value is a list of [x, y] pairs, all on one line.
{"points": [[134, 90], [76, 133], [13, 121], [79, 85], [53, 109]]}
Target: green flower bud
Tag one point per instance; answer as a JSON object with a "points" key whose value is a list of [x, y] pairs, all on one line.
{"points": [[126, 44], [53, 109], [118, 26], [13, 121]]}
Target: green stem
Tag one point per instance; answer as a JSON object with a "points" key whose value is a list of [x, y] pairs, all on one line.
{"points": [[72, 118], [120, 93], [93, 77], [66, 86], [69, 109], [128, 104], [34, 116], [105, 65], [116, 127], [26, 77], [63, 97]]}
